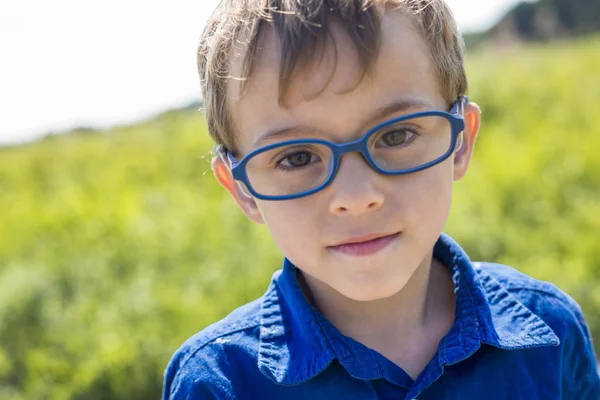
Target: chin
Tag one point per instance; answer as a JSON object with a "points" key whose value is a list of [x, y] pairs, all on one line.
{"points": [[365, 297], [371, 292]]}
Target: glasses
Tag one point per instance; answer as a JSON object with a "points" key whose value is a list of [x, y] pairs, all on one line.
{"points": [[297, 168]]}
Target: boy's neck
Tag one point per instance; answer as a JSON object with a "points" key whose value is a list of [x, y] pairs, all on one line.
{"points": [[416, 317]]}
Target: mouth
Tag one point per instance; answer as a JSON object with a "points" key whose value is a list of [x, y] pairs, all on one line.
{"points": [[365, 245]]}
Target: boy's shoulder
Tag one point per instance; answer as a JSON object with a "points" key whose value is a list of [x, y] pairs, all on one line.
{"points": [[504, 286], [242, 319], [235, 336]]}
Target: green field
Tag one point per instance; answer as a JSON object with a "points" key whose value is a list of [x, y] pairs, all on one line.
{"points": [[117, 246]]}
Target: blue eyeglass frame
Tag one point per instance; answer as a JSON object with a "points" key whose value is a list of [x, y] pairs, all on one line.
{"points": [[455, 117]]}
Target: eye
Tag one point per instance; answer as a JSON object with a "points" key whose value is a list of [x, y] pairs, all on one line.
{"points": [[297, 159], [396, 138]]}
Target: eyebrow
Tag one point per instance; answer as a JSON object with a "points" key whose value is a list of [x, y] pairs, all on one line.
{"points": [[397, 106]]}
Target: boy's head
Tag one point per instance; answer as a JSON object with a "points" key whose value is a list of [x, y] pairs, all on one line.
{"points": [[281, 70]]}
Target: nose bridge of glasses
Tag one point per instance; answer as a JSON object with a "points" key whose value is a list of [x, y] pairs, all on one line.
{"points": [[359, 145]]}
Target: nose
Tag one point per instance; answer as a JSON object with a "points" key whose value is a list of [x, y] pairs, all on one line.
{"points": [[355, 189]]}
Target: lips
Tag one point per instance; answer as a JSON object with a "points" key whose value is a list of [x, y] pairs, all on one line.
{"points": [[365, 245]]}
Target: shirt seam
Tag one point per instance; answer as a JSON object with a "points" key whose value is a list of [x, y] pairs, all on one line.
{"points": [[233, 330], [573, 307], [191, 354], [523, 282], [582, 384], [539, 290]]}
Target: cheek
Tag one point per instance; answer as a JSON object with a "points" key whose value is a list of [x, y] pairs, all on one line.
{"points": [[427, 196], [291, 224]]}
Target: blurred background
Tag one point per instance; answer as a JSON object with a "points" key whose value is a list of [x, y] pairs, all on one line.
{"points": [[116, 244]]}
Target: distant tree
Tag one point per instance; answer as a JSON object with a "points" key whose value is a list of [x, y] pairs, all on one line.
{"points": [[544, 20], [524, 20]]}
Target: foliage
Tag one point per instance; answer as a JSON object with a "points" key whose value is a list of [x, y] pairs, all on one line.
{"points": [[531, 197], [117, 246]]}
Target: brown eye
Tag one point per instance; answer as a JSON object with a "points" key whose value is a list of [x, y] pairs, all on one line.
{"points": [[299, 159], [396, 138]]}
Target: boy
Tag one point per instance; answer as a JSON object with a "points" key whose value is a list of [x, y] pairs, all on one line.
{"points": [[341, 125]]}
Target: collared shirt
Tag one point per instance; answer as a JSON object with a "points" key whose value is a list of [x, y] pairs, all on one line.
{"points": [[514, 337]]}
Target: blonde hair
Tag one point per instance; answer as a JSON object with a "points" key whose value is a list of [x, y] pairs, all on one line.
{"points": [[302, 28]]}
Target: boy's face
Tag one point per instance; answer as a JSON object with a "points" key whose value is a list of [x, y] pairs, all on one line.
{"points": [[326, 102]]}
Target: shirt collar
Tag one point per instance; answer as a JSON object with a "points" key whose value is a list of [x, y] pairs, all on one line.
{"points": [[297, 342], [292, 348], [486, 313]]}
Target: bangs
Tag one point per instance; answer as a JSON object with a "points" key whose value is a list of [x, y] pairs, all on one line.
{"points": [[303, 29]]}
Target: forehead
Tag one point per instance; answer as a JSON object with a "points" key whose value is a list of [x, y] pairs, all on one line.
{"points": [[330, 95]]}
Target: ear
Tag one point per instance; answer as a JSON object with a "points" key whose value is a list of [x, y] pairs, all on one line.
{"points": [[246, 202], [463, 153]]}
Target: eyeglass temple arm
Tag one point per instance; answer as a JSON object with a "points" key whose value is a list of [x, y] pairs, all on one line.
{"points": [[459, 105], [226, 156]]}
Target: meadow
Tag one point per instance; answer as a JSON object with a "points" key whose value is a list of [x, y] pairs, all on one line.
{"points": [[117, 246]]}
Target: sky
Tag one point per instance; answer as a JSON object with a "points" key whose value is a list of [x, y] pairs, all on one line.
{"points": [[73, 63]]}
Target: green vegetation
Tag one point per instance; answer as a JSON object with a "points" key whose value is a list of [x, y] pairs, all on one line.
{"points": [[116, 247]]}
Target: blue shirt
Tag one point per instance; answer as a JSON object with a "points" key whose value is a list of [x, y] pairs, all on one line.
{"points": [[514, 337]]}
